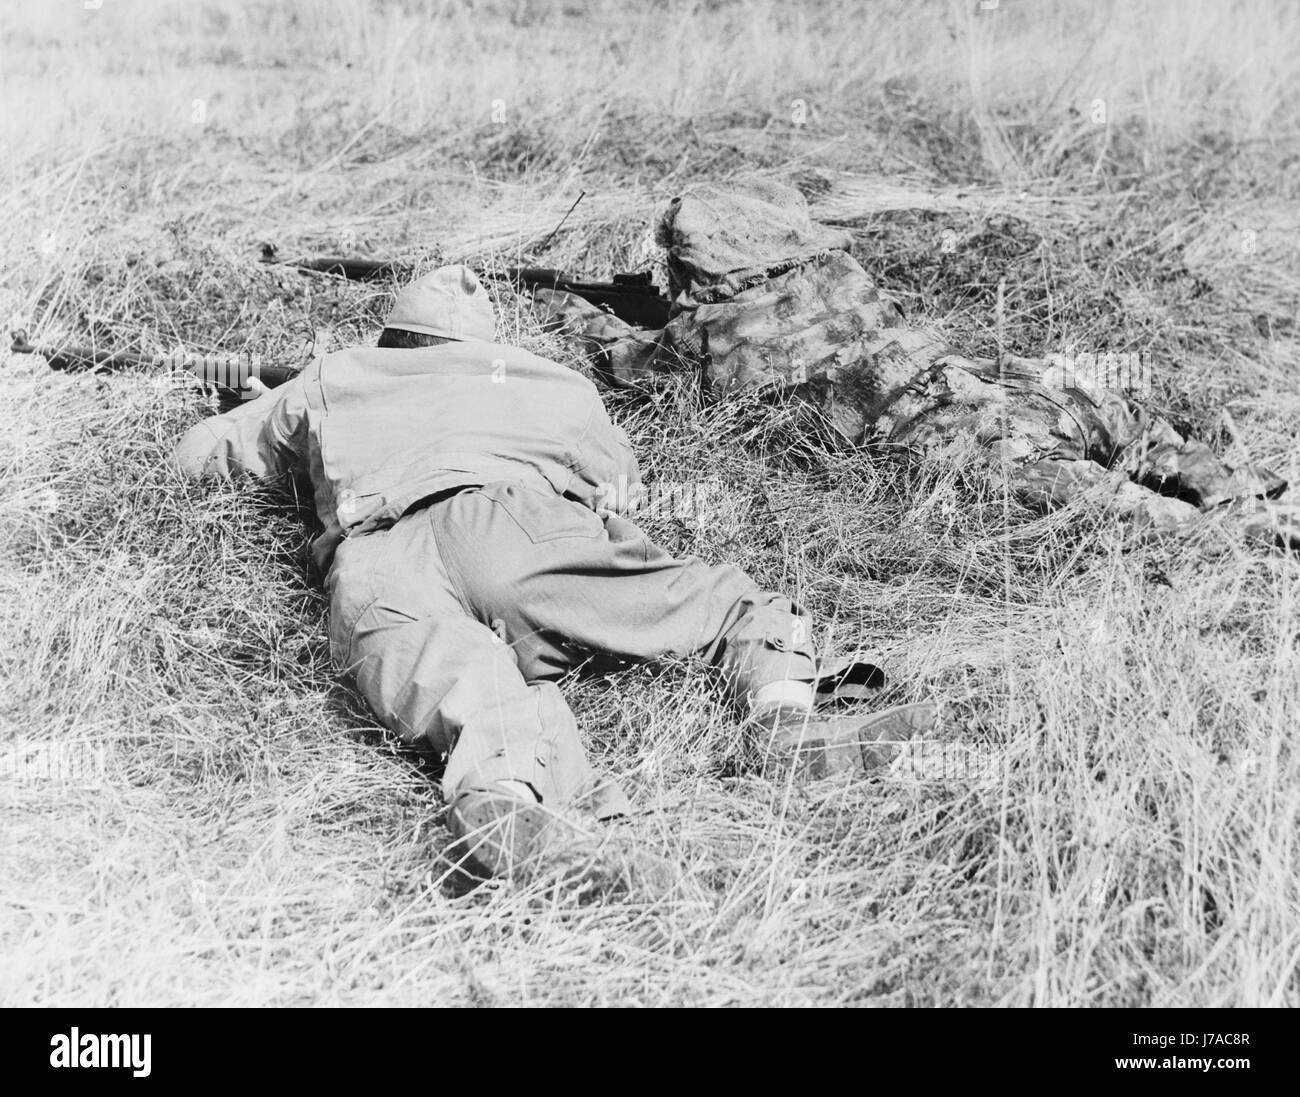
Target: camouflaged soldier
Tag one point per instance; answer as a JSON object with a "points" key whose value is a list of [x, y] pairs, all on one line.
{"points": [[473, 558], [766, 299]]}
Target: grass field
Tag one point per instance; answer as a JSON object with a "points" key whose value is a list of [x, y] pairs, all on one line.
{"points": [[196, 811]]}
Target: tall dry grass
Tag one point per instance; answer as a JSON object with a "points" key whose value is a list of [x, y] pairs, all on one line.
{"points": [[195, 810]]}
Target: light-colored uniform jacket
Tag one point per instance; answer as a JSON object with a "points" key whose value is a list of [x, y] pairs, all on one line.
{"points": [[378, 430]]}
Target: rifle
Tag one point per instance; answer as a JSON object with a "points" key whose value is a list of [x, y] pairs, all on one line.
{"points": [[230, 373], [349, 267], [633, 298]]}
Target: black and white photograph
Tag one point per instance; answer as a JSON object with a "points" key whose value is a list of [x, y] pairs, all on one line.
{"points": [[650, 503]]}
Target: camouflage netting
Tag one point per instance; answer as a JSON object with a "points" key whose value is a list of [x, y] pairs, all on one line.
{"points": [[764, 298]]}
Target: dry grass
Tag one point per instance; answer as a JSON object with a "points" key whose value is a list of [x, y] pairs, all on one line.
{"points": [[236, 829]]}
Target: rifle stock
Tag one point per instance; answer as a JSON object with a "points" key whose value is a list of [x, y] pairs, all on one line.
{"points": [[353, 268]]}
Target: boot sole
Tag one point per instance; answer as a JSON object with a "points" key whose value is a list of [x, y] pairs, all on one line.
{"points": [[495, 834], [863, 746]]}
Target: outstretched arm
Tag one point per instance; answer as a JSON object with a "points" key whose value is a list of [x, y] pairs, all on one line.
{"points": [[262, 438]]}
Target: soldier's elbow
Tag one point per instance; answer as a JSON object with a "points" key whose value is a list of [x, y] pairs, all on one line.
{"points": [[195, 455]]}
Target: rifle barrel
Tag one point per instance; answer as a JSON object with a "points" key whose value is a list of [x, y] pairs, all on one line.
{"points": [[352, 268], [633, 298]]}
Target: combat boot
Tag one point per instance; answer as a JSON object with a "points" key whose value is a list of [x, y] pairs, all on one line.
{"points": [[498, 834], [815, 745], [1273, 524]]}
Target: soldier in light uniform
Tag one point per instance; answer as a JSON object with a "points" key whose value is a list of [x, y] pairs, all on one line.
{"points": [[473, 554]]}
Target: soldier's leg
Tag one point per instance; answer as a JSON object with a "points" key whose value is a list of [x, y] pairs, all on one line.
{"points": [[563, 584], [442, 680], [1056, 444], [1165, 461], [1046, 485]]}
